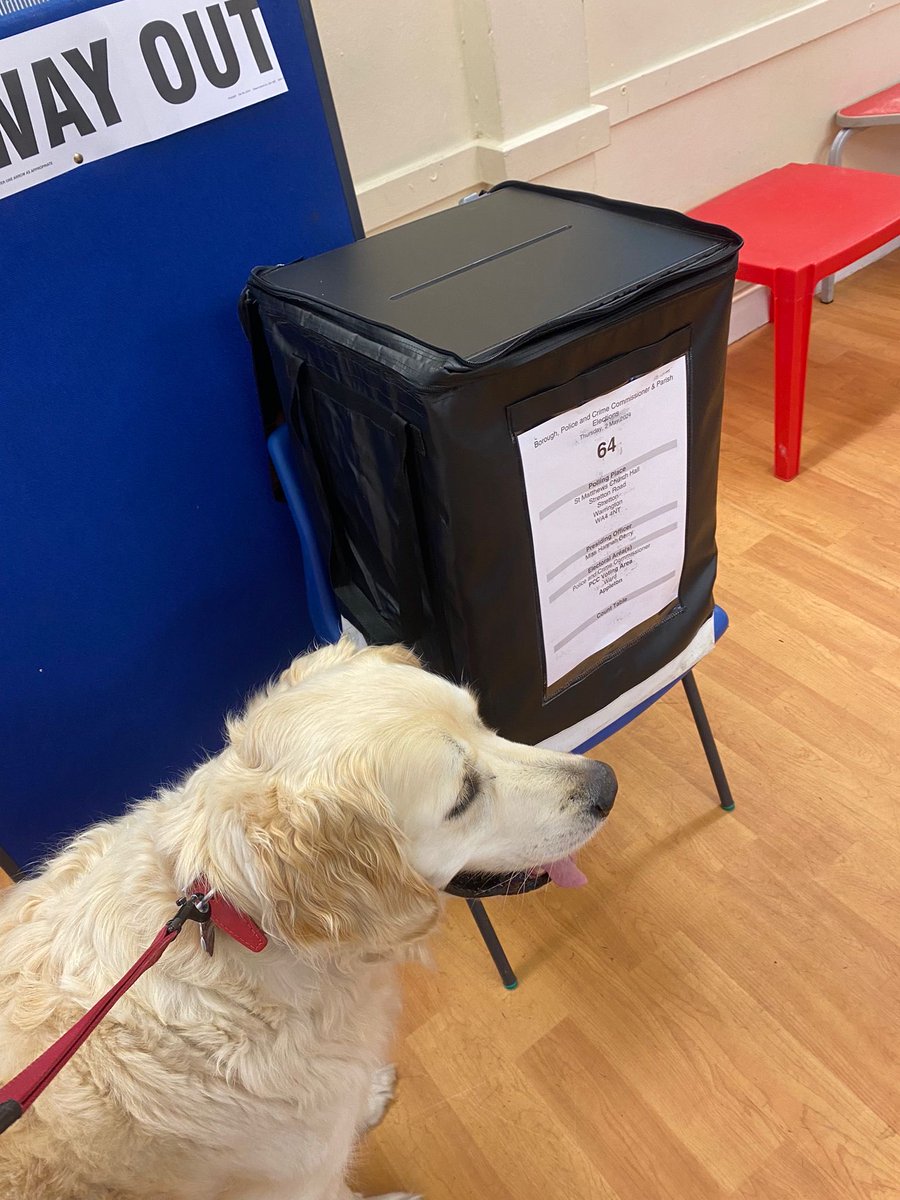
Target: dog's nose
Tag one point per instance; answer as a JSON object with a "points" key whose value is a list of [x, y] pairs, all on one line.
{"points": [[602, 787]]}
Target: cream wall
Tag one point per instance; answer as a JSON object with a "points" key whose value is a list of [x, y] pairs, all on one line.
{"points": [[396, 69], [778, 111], [625, 39], [648, 100]]}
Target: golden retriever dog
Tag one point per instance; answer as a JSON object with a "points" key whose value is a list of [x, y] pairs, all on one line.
{"points": [[348, 795]]}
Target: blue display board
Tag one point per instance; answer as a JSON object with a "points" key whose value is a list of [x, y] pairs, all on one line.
{"points": [[148, 578]]}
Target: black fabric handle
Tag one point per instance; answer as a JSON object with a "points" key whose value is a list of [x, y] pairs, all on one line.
{"points": [[410, 581], [266, 383], [264, 374], [377, 467]]}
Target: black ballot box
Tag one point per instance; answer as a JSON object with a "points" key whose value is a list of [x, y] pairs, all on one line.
{"points": [[509, 416]]}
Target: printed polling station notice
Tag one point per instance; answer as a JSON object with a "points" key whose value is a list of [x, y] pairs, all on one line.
{"points": [[606, 485]]}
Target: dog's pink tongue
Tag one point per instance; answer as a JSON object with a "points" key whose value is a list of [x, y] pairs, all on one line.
{"points": [[565, 873]]}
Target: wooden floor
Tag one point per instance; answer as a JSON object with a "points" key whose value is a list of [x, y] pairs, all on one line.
{"points": [[718, 1013]]}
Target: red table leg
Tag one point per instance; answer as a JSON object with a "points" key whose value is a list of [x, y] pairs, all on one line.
{"points": [[791, 313]]}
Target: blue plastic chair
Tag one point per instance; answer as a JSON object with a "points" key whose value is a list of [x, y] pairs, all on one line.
{"points": [[328, 628]]}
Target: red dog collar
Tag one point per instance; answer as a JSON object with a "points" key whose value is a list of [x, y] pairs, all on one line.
{"points": [[229, 919]]}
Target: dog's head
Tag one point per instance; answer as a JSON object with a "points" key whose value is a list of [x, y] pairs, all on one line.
{"points": [[361, 784]]}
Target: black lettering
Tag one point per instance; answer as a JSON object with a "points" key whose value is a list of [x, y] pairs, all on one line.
{"points": [[246, 10], [96, 75], [187, 86], [52, 88], [230, 72], [17, 125]]}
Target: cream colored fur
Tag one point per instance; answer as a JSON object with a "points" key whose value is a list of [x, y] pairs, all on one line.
{"points": [[251, 1077]]}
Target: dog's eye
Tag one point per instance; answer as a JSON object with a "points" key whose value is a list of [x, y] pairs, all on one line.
{"points": [[468, 794]]}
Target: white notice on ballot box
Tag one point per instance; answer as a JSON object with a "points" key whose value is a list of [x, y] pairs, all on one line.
{"points": [[606, 485]]}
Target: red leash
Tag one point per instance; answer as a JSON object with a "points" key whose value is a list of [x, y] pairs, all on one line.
{"points": [[17, 1096]]}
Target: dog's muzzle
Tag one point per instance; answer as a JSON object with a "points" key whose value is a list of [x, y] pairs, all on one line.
{"points": [[596, 793]]}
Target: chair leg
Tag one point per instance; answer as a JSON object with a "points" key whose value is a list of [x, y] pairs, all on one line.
{"points": [[498, 954], [792, 315], [709, 742], [826, 295]]}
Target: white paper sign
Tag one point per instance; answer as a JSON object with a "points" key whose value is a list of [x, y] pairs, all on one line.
{"points": [[606, 485], [102, 81]]}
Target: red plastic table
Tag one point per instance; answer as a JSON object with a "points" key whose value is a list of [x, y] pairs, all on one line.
{"points": [[801, 223], [881, 109]]}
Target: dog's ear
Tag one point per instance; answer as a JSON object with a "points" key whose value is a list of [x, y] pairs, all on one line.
{"points": [[308, 664], [332, 870], [399, 654], [303, 666]]}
